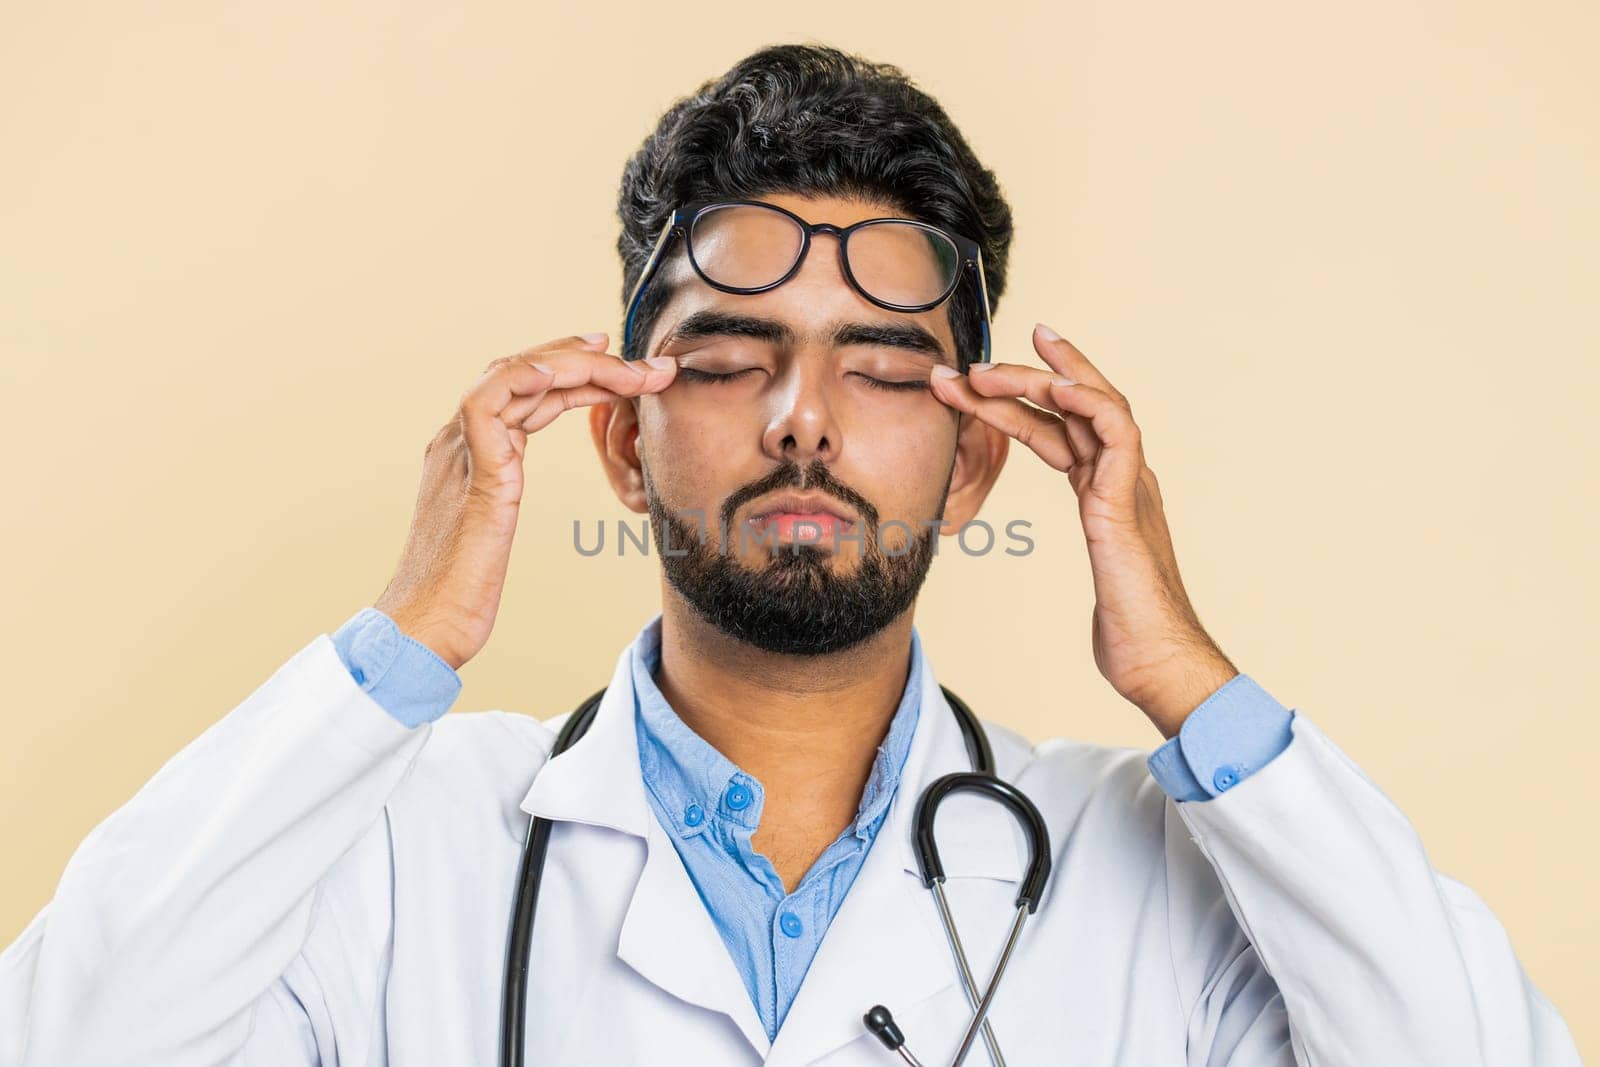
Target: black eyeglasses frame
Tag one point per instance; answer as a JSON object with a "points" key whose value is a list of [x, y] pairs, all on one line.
{"points": [[970, 261]]}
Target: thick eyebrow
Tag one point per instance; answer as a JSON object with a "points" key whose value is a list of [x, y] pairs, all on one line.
{"points": [[906, 335], [709, 322]]}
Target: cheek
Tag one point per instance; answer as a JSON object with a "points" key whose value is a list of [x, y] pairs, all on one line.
{"points": [[909, 458], [691, 453]]}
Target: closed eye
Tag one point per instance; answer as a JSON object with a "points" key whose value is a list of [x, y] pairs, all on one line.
{"points": [[691, 374], [879, 383]]}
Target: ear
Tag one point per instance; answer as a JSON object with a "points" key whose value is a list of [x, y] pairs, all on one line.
{"points": [[981, 452], [614, 426]]}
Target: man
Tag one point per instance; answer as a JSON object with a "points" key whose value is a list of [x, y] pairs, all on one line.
{"points": [[326, 874]]}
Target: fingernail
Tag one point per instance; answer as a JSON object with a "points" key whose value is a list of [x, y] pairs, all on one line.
{"points": [[981, 367], [546, 368], [1062, 381], [660, 362], [945, 371], [1046, 332], [594, 338]]}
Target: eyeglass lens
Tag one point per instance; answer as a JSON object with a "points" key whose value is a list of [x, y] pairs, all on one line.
{"points": [[746, 247]]}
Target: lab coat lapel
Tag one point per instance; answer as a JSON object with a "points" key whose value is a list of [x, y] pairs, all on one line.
{"points": [[598, 781], [669, 938], [667, 935], [886, 944]]}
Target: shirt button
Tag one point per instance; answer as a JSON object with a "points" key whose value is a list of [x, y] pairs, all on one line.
{"points": [[1227, 776], [738, 797], [791, 925], [693, 815]]}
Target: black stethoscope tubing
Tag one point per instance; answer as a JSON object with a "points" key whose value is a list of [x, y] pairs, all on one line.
{"points": [[981, 780]]}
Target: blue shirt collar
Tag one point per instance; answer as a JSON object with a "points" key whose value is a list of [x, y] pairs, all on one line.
{"points": [[694, 783]]}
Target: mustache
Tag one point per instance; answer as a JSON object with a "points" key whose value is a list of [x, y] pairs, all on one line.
{"points": [[789, 474]]}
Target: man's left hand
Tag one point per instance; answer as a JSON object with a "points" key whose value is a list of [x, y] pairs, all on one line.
{"points": [[1148, 641]]}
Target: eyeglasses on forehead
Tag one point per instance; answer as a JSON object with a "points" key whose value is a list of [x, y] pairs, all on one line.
{"points": [[752, 246]]}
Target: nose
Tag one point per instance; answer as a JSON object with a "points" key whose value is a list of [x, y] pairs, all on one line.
{"points": [[803, 426]]}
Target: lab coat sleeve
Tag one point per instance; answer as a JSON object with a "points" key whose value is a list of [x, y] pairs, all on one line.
{"points": [[1339, 943], [175, 934]]}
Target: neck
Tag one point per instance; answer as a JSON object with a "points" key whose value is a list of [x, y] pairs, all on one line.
{"points": [[806, 727]]}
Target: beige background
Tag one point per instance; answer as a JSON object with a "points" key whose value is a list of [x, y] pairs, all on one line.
{"points": [[1342, 260]]}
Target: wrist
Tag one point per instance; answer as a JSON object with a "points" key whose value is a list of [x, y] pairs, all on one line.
{"points": [[422, 626], [1190, 684]]}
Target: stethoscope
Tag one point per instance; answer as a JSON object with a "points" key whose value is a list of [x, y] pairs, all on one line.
{"points": [[878, 1020]]}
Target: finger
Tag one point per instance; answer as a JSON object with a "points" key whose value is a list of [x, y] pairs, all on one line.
{"points": [[1013, 379], [1065, 358], [541, 352], [575, 367], [514, 413], [594, 339], [1068, 362], [1042, 431], [550, 406], [1085, 445], [1033, 384], [579, 341], [1120, 458], [1080, 431], [482, 404]]}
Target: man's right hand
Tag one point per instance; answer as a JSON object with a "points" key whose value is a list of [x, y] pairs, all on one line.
{"points": [[447, 588]]}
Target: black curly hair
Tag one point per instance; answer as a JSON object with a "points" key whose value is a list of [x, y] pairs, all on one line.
{"points": [[812, 120]]}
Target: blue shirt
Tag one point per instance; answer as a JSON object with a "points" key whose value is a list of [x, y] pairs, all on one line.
{"points": [[710, 808]]}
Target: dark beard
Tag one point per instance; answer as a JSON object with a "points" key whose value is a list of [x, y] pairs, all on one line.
{"points": [[793, 602]]}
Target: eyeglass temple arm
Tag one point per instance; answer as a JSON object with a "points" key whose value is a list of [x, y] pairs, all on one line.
{"points": [[645, 275], [983, 300]]}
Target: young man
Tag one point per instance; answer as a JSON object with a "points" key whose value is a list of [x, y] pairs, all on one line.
{"points": [[326, 875]]}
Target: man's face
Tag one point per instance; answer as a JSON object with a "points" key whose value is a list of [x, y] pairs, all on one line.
{"points": [[829, 401]]}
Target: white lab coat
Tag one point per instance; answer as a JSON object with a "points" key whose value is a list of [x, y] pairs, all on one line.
{"points": [[310, 882]]}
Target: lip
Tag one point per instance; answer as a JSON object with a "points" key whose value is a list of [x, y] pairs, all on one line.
{"points": [[801, 505]]}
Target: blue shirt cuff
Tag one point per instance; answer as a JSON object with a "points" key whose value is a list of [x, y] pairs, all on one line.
{"points": [[406, 677], [1233, 733]]}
